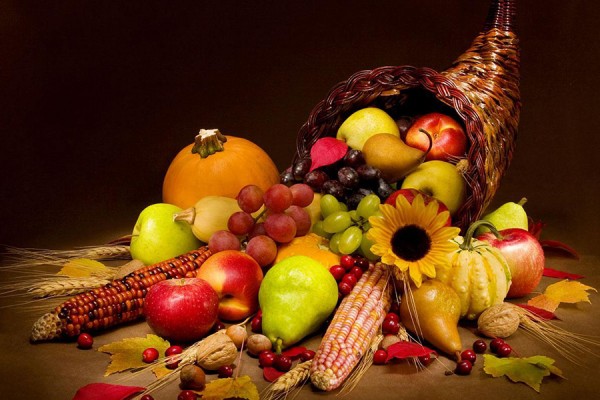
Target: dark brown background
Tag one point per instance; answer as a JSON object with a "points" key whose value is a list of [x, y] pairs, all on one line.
{"points": [[97, 97]]}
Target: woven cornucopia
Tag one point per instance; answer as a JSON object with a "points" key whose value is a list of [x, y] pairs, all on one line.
{"points": [[481, 89]]}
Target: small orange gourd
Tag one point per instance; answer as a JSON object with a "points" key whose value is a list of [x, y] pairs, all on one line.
{"points": [[217, 165]]}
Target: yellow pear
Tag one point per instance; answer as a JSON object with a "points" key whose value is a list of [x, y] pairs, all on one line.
{"points": [[394, 158]]}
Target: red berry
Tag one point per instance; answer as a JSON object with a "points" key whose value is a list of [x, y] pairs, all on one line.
{"points": [[425, 360], [85, 341], [256, 324], [338, 272], [380, 357], [146, 397], [390, 327], [362, 263], [187, 395], [149, 355], [392, 316], [468, 355], [225, 371], [171, 351], [283, 363], [347, 261], [266, 358], [463, 367], [350, 279], [479, 346], [356, 271], [345, 288], [307, 355], [504, 350], [495, 344]]}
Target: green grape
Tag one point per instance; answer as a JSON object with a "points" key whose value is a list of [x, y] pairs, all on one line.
{"points": [[318, 229], [365, 248], [334, 243], [329, 205], [337, 222], [343, 206], [350, 240], [368, 206], [354, 216]]}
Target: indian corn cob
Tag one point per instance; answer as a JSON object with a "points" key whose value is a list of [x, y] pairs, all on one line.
{"points": [[352, 329], [119, 301]]}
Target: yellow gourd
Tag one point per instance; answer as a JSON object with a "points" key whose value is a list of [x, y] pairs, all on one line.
{"points": [[478, 273], [311, 245]]}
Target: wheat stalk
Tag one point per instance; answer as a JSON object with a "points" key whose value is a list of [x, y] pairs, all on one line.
{"points": [[65, 286], [16, 257], [286, 383]]}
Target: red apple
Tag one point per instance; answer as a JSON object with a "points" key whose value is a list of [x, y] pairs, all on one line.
{"points": [[410, 194], [236, 277], [524, 255], [182, 310], [449, 138]]}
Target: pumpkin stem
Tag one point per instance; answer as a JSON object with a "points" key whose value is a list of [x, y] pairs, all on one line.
{"points": [[208, 142], [466, 244]]}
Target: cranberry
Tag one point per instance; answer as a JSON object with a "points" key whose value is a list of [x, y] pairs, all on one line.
{"points": [[357, 272], [256, 324], [85, 341], [266, 358], [150, 355], [283, 363], [307, 355], [347, 261], [362, 263], [479, 346], [146, 397], [225, 371], [504, 350], [171, 351], [187, 395], [345, 288], [380, 357], [495, 344], [425, 360], [338, 272], [390, 327], [392, 316], [350, 279], [468, 355], [463, 367]]}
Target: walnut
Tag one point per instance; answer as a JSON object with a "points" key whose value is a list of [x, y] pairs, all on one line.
{"points": [[500, 320], [215, 351]]}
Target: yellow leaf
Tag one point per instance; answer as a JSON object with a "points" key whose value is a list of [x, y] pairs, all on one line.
{"points": [[565, 291], [529, 370], [226, 388], [83, 268], [127, 353]]}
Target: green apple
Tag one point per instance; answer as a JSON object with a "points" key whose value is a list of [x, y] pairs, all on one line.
{"points": [[363, 124], [441, 180], [157, 236]]}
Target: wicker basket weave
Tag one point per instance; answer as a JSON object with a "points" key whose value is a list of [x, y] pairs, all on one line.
{"points": [[481, 88]]}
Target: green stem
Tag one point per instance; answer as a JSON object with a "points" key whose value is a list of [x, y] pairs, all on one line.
{"points": [[522, 201], [278, 345], [466, 245], [208, 142]]}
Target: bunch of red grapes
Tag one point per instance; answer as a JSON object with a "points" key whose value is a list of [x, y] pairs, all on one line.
{"points": [[281, 217]]}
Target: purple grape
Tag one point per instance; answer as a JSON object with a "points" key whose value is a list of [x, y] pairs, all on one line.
{"points": [[353, 200], [404, 124], [384, 190], [334, 188], [348, 177], [368, 173], [301, 168], [315, 179], [354, 158], [287, 178]]}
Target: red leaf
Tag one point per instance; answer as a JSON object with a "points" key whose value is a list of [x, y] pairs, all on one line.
{"points": [[556, 245], [406, 349], [535, 227], [553, 273], [271, 374], [105, 391], [294, 352], [326, 151], [539, 312]]}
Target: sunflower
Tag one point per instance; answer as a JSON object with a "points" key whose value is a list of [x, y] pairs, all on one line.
{"points": [[413, 237]]}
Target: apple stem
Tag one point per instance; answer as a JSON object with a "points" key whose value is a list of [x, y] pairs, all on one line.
{"points": [[522, 201], [188, 215], [208, 142], [430, 141], [466, 245]]}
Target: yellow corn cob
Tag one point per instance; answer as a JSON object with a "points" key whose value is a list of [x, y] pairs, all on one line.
{"points": [[119, 301], [352, 329]]}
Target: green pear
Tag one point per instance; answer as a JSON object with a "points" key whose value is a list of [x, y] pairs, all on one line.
{"points": [[508, 215], [296, 296]]}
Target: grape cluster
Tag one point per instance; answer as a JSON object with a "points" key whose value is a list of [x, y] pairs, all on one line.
{"points": [[282, 217], [348, 180], [346, 228]]}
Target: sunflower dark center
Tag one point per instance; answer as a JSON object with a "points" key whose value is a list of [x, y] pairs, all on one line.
{"points": [[411, 243]]}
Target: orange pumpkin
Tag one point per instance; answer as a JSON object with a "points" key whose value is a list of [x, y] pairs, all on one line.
{"points": [[216, 165]]}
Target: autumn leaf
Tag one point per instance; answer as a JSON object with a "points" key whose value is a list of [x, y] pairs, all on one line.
{"points": [[226, 388], [106, 391], [84, 268], [405, 349], [528, 370], [127, 353], [565, 291]]}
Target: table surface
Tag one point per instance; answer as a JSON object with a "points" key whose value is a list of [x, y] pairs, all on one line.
{"points": [[55, 370]]}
